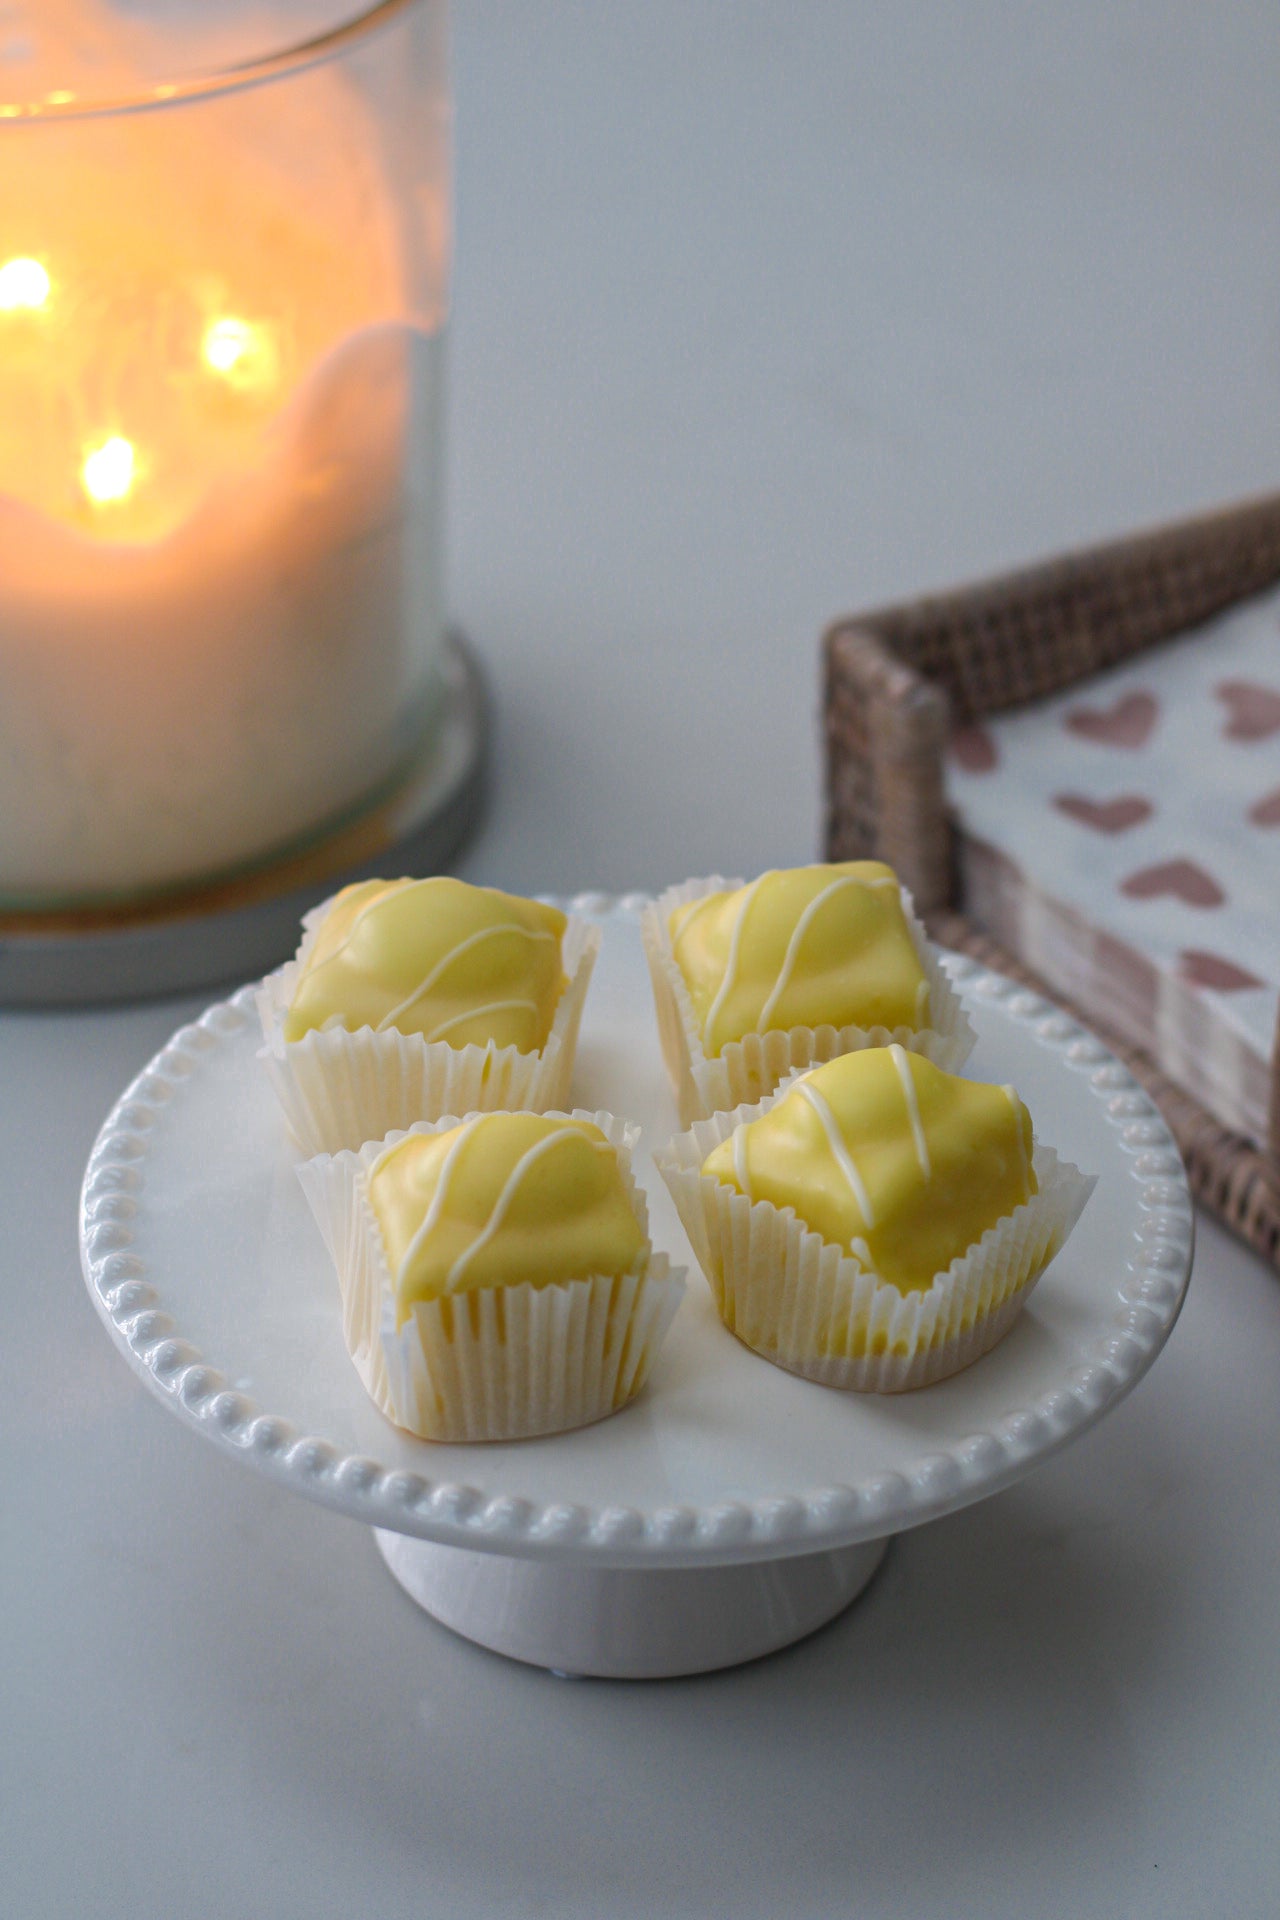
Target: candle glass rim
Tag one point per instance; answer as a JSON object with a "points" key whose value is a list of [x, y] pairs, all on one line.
{"points": [[297, 57]]}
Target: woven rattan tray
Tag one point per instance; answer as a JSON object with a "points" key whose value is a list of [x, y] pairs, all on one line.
{"points": [[898, 679]]}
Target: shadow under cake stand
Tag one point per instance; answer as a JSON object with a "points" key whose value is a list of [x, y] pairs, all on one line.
{"points": [[732, 1508]]}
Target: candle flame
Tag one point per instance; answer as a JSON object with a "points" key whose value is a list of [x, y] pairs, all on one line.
{"points": [[23, 283], [108, 470], [241, 353]]}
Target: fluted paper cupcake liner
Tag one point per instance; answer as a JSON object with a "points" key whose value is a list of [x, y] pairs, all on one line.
{"points": [[750, 1068], [339, 1089], [808, 1306], [493, 1363]]}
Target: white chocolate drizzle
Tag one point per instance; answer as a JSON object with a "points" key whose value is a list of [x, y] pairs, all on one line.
{"points": [[903, 1066], [510, 1187], [840, 1152], [741, 1171], [798, 932], [1016, 1104], [362, 914], [684, 916], [794, 944], [432, 1213], [475, 1013], [447, 960], [731, 964]]}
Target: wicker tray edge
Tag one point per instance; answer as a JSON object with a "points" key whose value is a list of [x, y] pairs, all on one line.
{"points": [[897, 678]]}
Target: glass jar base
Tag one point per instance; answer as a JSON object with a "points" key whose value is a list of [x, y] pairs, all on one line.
{"points": [[238, 927]]}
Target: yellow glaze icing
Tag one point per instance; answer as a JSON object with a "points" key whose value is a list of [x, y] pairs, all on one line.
{"points": [[888, 1156], [805, 947], [437, 957], [502, 1199]]}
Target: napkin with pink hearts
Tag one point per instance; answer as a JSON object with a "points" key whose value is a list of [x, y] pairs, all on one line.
{"points": [[1123, 838]]}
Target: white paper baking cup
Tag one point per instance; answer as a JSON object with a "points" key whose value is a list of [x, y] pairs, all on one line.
{"points": [[494, 1363], [807, 1305], [340, 1089], [752, 1067]]}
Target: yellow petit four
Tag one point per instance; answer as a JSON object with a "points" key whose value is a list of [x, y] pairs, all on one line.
{"points": [[888, 1156], [807, 947], [412, 999], [463, 964], [879, 1224], [752, 983], [496, 1274], [502, 1199]]}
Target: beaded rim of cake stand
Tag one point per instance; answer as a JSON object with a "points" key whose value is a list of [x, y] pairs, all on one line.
{"points": [[449, 1512]]}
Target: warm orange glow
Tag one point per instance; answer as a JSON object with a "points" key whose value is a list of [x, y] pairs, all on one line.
{"points": [[178, 281], [240, 353], [23, 283], [108, 470]]}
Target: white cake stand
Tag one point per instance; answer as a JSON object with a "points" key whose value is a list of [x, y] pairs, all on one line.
{"points": [[732, 1508]]}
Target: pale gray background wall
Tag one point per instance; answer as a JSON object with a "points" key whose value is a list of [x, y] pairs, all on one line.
{"points": [[766, 311]]}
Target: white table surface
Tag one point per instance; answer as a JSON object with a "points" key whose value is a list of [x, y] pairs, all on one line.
{"points": [[762, 313]]}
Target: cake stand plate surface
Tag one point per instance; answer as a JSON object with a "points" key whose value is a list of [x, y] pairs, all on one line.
{"points": [[732, 1507]]}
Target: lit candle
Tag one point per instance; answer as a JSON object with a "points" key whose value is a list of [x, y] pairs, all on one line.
{"points": [[219, 400]]}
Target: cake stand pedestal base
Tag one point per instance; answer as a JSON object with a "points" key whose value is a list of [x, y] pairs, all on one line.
{"points": [[627, 1623]]}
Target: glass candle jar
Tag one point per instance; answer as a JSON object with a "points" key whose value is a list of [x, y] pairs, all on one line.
{"points": [[224, 263]]}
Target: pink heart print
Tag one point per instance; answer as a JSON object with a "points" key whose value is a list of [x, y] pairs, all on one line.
{"points": [[1201, 969], [974, 749], [1183, 879], [1254, 711], [1266, 812], [1105, 816], [1126, 724]]}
